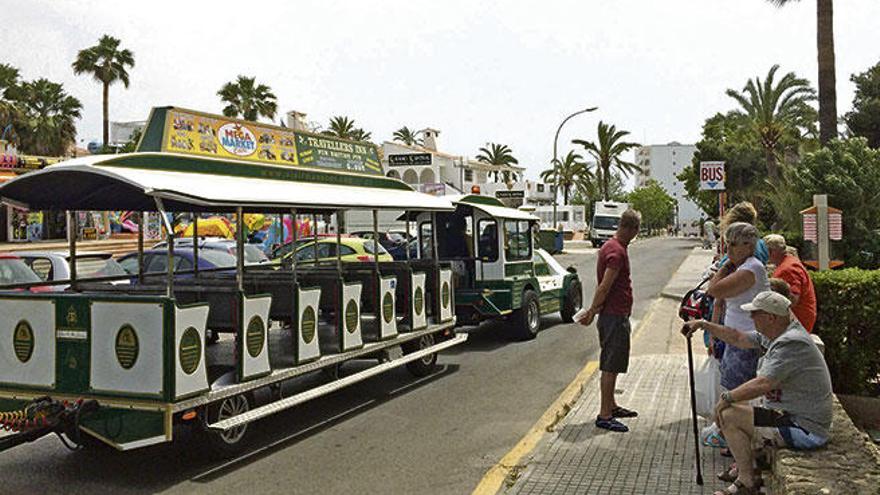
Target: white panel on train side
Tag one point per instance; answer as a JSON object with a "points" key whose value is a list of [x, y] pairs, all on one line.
{"points": [[419, 313], [351, 316], [307, 348], [27, 351], [190, 370], [254, 353], [127, 347]]}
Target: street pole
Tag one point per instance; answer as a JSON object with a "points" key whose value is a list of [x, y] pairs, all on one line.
{"points": [[556, 161]]}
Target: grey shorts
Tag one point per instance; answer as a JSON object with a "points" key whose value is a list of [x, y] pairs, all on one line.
{"points": [[614, 334]]}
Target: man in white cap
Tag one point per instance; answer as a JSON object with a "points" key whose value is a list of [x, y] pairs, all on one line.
{"points": [[792, 378]]}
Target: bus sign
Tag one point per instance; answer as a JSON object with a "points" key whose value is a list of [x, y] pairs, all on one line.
{"points": [[712, 176]]}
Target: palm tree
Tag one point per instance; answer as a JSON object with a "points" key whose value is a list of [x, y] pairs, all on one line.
{"points": [[49, 115], [775, 109], [498, 154], [606, 150], [341, 127], [566, 173], [107, 64], [827, 79], [361, 135], [407, 136], [247, 99], [10, 112]]}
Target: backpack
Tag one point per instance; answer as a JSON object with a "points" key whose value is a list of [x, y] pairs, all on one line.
{"points": [[696, 304]]}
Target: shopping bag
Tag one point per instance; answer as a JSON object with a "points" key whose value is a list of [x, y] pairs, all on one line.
{"points": [[707, 387]]}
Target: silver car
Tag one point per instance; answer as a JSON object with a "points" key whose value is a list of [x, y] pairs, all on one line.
{"points": [[52, 266]]}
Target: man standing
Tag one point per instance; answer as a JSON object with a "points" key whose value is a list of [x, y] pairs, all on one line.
{"points": [[790, 269], [792, 378], [613, 303]]}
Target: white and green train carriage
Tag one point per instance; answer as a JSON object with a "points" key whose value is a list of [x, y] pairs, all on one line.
{"points": [[497, 271], [124, 363]]}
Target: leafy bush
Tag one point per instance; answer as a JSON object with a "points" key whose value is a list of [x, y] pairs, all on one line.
{"points": [[849, 324]]}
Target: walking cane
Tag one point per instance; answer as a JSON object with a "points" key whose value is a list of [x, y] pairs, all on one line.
{"points": [[694, 412]]}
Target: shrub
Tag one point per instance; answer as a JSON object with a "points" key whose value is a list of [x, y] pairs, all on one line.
{"points": [[849, 324]]}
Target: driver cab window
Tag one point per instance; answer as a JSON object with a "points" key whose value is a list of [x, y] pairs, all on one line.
{"points": [[426, 239], [487, 240], [542, 269], [517, 240]]}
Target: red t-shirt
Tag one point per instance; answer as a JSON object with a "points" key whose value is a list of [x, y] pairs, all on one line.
{"points": [[620, 298], [793, 271]]}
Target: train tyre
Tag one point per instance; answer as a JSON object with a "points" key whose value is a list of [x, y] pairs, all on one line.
{"points": [[233, 441], [527, 319], [427, 364]]}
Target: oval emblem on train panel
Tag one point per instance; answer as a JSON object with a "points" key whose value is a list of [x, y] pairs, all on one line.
{"points": [[255, 336], [190, 351], [308, 325], [418, 301], [237, 139], [23, 341], [445, 294], [127, 347], [388, 307], [352, 316]]}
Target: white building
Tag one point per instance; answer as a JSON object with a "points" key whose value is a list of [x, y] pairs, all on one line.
{"points": [[121, 132], [662, 162]]}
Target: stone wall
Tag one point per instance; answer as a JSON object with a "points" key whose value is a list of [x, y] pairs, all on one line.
{"points": [[848, 464]]}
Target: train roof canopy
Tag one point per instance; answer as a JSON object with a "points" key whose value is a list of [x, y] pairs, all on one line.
{"points": [[194, 183]]}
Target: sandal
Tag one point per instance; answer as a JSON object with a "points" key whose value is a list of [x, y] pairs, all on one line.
{"points": [[730, 475], [622, 412], [611, 424], [738, 488]]}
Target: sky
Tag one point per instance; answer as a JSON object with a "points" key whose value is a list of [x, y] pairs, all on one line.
{"points": [[488, 71]]}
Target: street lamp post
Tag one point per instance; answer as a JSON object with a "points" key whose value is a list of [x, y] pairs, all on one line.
{"points": [[556, 161]]}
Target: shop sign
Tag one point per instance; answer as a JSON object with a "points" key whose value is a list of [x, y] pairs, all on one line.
{"points": [[510, 194], [411, 159], [194, 133]]}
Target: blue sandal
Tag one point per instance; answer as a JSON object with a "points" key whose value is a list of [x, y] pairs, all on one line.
{"points": [[611, 424]]}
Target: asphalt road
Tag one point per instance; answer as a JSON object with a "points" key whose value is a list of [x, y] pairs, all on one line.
{"points": [[390, 434]]}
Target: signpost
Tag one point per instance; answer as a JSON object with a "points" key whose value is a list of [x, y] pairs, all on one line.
{"points": [[410, 159], [712, 176], [822, 224]]}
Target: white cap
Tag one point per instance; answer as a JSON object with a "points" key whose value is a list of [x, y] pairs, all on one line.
{"points": [[769, 301]]}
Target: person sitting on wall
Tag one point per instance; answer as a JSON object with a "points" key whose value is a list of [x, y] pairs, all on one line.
{"points": [[792, 378], [790, 269]]}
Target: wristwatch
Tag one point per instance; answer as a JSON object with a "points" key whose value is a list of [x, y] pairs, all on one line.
{"points": [[725, 396]]}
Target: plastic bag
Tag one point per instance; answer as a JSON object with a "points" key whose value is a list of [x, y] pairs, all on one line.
{"points": [[710, 436], [707, 387]]}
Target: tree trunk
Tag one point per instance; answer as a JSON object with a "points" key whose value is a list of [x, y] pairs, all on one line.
{"points": [[827, 84], [106, 114], [606, 172], [772, 166]]}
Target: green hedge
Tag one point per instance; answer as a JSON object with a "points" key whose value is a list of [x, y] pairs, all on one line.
{"points": [[849, 324]]}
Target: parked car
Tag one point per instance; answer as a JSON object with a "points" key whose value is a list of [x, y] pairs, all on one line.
{"points": [[156, 261], [353, 250], [281, 251], [52, 266], [253, 255], [14, 271]]}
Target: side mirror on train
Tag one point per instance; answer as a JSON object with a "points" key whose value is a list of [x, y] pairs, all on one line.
{"points": [[571, 269]]}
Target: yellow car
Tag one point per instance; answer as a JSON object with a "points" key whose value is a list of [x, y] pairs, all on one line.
{"points": [[352, 249]]}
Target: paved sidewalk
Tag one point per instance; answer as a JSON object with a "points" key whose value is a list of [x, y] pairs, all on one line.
{"points": [[657, 454]]}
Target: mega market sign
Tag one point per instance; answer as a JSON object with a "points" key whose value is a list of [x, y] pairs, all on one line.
{"points": [[177, 130]]}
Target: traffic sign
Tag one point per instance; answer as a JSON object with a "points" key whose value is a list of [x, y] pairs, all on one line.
{"points": [[712, 176]]}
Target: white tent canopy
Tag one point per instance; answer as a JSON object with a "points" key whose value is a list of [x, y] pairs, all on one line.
{"points": [[493, 210], [133, 181]]}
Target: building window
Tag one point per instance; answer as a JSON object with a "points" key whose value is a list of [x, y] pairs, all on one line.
{"points": [[540, 187], [468, 175]]}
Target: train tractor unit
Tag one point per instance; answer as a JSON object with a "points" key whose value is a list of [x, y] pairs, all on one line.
{"points": [[497, 272]]}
